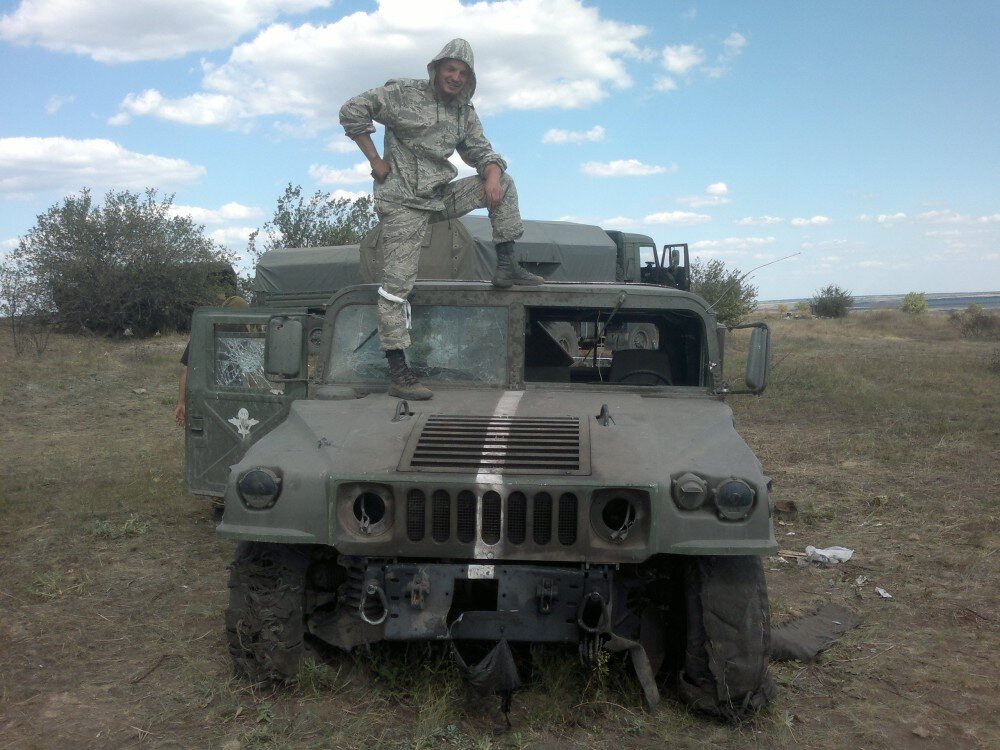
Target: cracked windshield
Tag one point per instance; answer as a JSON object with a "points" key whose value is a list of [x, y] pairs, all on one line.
{"points": [[449, 344]]}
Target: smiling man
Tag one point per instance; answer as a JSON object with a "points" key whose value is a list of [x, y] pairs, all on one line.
{"points": [[426, 121]]}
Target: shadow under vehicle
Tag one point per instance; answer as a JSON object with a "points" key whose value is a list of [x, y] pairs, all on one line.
{"points": [[597, 497]]}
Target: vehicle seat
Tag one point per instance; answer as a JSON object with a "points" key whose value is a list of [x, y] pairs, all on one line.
{"points": [[640, 367], [544, 358]]}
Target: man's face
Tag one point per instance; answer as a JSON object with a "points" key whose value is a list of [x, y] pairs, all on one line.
{"points": [[452, 75]]}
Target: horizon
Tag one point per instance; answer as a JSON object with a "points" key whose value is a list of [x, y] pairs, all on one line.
{"points": [[861, 136]]}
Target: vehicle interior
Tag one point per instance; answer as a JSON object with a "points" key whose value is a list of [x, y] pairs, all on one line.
{"points": [[624, 347]]}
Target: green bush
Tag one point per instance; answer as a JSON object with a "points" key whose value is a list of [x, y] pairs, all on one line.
{"points": [[914, 303], [975, 323], [126, 265], [726, 289], [831, 302]]}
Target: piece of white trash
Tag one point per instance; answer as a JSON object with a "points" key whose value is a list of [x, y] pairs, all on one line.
{"points": [[882, 592], [828, 554]]}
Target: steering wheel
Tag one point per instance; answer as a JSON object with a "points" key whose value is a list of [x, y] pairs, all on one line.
{"points": [[658, 375]]}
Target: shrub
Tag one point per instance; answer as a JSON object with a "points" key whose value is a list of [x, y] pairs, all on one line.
{"points": [[726, 289], [975, 323], [914, 303], [128, 264], [831, 302], [802, 308]]}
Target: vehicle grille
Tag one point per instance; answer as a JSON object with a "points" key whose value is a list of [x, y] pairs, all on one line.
{"points": [[493, 517], [499, 444]]}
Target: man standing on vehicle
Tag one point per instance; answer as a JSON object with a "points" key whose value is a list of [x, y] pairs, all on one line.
{"points": [[426, 121]]}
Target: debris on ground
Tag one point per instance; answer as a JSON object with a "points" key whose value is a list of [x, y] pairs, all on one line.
{"points": [[804, 637], [882, 593], [828, 555]]}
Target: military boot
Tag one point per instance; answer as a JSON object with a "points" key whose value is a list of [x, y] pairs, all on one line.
{"points": [[404, 383], [509, 271]]}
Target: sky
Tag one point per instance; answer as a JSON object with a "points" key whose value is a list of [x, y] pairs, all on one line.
{"points": [[861, 137]]}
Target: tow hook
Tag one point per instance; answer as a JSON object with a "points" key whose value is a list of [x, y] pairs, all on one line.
{"points": [[547, 592], [593, 615], [373, 590], [419, 588]]}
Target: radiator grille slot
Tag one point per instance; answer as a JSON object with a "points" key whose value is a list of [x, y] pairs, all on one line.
{"points": [[441, 522], [497, 444], [542, 526], [517, 518], [567, 518], [416, 521], [466, 516], [491, 518]]}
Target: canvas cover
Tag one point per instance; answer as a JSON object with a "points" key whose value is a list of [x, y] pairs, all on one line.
{"points": [[462, 249]]}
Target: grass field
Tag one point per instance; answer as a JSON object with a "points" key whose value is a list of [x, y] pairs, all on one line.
{"points": [[883, 430]]}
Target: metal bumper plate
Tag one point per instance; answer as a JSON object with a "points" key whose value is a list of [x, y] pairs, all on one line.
{"points": [[516, 602]]}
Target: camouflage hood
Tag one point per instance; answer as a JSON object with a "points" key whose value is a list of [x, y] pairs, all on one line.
{"points": [[456, 49]]}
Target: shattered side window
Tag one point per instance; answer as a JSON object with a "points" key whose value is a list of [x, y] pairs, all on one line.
{"points": [[239, 358], [449, 343]]}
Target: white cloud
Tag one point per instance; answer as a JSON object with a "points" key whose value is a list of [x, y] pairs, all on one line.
{"points": [[9, 244], [232, 237], [759, 221], [55, 103], [536, 54], [197, 109], [885, 220], [622, 168], [116, 32], [873, 264], [594, 135], [813, 221], [221, 215], [730, 245], [685, 60], [324, 175], [735, 43], [342, 145], [680, 58], [715, 195], [464, 170], [949, 216], [677, 218], [32, 164], [618, 222]]}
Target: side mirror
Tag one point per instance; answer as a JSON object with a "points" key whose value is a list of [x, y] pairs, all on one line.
{"points": [[283, 350], [758, 359]]}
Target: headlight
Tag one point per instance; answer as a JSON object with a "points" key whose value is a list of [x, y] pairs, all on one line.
{"points": [[733, 499], [259, 488], [690, 491]]}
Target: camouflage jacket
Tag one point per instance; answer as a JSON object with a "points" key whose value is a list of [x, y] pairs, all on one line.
{"points": [[421, 132]]}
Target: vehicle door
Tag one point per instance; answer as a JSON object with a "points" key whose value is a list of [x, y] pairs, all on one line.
{"points": [[230, 404]]}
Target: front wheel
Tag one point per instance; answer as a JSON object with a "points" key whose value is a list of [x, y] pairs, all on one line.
{"points": [[728, 637], [265, 621]]}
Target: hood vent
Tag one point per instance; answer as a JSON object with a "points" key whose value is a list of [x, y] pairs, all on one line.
{"points": [[499, 445]]}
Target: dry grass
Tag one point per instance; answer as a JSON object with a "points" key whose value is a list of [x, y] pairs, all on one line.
{"points": [[882, 428]]}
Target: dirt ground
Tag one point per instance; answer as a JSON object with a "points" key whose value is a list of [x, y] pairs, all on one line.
{"points": [[883, 431]]}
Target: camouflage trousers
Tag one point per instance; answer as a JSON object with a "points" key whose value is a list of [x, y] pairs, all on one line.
{"points": [[403, 230]]}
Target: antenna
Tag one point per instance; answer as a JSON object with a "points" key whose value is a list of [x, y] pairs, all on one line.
{"points": [[752, 270]]}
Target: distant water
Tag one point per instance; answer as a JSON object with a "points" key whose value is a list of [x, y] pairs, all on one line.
{"points": [[892, 301]]}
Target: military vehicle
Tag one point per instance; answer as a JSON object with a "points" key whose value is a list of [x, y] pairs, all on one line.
{"points": [[595, 495]]}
